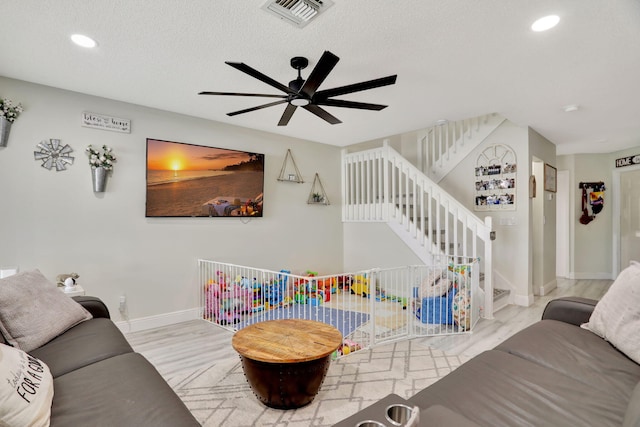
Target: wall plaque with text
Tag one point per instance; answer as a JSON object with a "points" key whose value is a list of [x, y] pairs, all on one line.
{"points": [[101, 121], [628, 161]]}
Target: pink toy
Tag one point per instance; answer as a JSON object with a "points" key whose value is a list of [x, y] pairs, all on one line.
{"points": [[226, 304]]}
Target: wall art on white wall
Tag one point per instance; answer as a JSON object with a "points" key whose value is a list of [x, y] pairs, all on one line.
{"points": [[104, 122], [495, 179], [53, 154]]}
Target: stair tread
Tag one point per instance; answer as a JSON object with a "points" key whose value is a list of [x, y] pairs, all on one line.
{"points": [[500, 293]]}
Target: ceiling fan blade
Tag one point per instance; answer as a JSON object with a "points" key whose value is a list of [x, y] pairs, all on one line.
{"points": [[323, 114], [351, 104], [264, 95], [258, 75], [320, 72], [356, 87], [259, 107], [286, 116]]}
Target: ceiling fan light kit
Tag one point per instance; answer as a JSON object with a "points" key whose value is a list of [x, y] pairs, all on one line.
{"points": [[304, 93]]}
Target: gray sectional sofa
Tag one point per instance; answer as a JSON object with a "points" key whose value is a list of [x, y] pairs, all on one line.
{"points": [[553, 373], [99, 380]]}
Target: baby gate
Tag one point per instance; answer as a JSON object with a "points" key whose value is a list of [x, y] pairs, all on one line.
{"points": [[369, 307]]}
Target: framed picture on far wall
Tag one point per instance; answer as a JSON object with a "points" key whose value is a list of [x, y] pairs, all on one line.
{"points": [[550, 178], [188, 180]]}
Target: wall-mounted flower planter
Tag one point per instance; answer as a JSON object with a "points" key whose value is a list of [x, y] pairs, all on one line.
{"points": [[99, 177], [5, 128]]}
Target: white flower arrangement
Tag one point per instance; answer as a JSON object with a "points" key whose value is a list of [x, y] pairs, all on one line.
{"points": [[8, 110], [103, 159]]}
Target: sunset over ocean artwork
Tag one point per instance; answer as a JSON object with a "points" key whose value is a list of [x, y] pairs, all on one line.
{"points": [[188, 180]]}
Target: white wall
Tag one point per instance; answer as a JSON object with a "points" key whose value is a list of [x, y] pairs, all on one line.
{"points": [[544, 254], [537, 229], [590, 254], [368, 245], [592, 245], [53, 221]]}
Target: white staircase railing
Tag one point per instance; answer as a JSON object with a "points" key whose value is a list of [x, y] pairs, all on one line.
{"points": [[379, 185], [441, 147]]}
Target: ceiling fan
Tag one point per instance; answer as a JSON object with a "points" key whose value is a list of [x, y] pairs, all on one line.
{"points": [[304, 93]]}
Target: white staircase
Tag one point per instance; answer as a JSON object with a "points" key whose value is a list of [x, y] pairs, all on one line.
{"points": [[441, 147], [380, 185]]}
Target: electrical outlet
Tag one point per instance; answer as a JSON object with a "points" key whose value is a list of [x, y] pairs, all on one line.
{"points": [[123, 303]]}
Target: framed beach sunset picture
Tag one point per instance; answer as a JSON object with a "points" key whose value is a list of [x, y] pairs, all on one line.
{"points": [[188, 180]]}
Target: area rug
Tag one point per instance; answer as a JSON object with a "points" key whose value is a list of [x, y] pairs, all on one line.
{"points": [[345, 321], [218, 395]]}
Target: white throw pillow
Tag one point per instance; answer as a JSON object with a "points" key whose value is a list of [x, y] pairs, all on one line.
{"points": [[26, 389], [616, 317], [33, 311]]}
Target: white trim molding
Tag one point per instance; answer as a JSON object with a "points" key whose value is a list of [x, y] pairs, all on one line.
{"points": [[592, 276], [548, 287], [523, 300], [616, 206], [157, 321]]}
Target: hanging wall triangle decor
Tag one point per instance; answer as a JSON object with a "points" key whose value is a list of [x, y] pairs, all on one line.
{"points": [[289, 171], [317, 195]]}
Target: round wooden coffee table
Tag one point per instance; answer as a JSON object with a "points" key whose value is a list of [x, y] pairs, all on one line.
{"points": [[285, 361]]}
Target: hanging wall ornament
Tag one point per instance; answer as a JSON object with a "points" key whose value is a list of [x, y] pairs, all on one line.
{"points": [[596, 198], [53, 154]]}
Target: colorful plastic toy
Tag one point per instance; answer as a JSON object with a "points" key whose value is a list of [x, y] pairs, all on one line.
{"points": [[360, 285]]}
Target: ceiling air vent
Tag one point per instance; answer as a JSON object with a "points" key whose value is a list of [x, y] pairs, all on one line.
{"points": [[297, 12]]}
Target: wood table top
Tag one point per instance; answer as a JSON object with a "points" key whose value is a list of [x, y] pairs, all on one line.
{"points": [[286, 341]]}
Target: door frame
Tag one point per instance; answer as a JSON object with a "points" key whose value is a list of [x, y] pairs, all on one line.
{"points": [[616, 199], [563, 225]]}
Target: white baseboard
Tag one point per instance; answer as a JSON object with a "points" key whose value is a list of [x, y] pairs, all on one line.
{"points": [[523, 300], [144, 323], [592, 276], [545, 289]]}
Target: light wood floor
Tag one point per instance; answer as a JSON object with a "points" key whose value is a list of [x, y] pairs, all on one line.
{"points": [[187, 346]]}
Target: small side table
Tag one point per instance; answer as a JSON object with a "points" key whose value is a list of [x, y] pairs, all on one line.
{"points": [[285, 361], [76, 291]]}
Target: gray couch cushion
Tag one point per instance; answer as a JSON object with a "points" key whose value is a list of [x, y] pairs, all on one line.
{"points": [[82, 345], [574, 310], [496, 388], [122, 391], [438, 415], [632, 417], [576, 353]]}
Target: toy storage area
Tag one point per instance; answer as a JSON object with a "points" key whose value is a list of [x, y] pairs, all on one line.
{"points": [[368, 307]]}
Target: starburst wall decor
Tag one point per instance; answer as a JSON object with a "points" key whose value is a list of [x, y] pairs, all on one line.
{"points": [[52, 153]]}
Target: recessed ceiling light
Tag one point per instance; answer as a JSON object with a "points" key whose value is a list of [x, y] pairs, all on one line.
{"points": [[84, 41], [545, 23], [570, 108]]}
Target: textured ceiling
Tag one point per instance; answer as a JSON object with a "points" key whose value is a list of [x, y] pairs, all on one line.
{"points": [[454, 59]]}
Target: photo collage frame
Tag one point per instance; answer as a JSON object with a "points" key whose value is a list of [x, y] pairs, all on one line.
{"points": [[495, 179]]}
